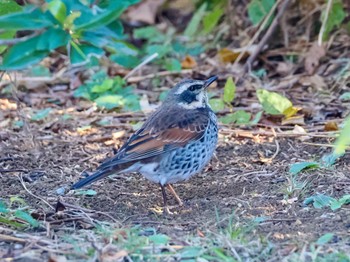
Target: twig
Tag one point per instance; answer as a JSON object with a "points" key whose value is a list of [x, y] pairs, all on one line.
{"points": [[143, 63], [266, 37], [257, 33], [30, 193], [12, 170], [324, 22], [18, 40], [87, 210], [164, 73]]}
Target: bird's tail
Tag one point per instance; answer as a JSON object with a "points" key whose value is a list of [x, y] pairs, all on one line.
{"points": [[94, 177]]}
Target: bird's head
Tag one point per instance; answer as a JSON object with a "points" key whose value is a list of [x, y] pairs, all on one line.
{"points": [[190, 94]]}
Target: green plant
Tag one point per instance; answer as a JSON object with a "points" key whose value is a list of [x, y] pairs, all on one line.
{"points": [[78, 28], [108, 92], [16, 217]]}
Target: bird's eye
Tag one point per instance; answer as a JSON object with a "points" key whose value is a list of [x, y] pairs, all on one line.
{"points": [[194, 87]]}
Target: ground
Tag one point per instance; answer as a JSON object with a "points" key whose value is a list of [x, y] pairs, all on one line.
{"points": [[247, 181]]}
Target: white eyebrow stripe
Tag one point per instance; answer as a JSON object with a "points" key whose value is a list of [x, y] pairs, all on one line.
{"points": [[187, 85]]}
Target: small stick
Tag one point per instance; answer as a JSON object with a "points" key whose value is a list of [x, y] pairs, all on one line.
{"points": [[324, 22], [266, 37], [30, 193], [143, 63]]}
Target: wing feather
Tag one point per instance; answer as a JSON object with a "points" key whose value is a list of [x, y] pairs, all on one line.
{"points": [[162, 133]]}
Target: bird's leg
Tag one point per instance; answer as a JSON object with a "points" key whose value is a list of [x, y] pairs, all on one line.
{"points": [[178, 199], [166, 209]]}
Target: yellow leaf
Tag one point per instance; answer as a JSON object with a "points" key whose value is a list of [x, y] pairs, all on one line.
{"points": [[290, 111]]}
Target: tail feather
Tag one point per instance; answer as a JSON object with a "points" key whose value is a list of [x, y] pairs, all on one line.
{"points": [[94, 177]]}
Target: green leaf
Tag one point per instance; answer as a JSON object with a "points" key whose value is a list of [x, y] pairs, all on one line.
{"points": [[58, 9], [41, 114], [344, 138], [84, 52], [25, 21], [131, 103], [159, 239], [345, 96], [83, 91], [9, 222], [258, 9], [39, 70], [102, 88], [229, 90], [69, 21], [108, 15], [324, 239], [190, 252], [3, 208], [110, 101], [173, 65], [126, 61], [150, 33], [257, 118], [17, 199], [88, 192], [26, 217], [319, 201], [217, 104], [35, 48], [8, 7], [329, 160], [273, 103], [212, 19], [6, 35], [240, 117], [335, 17], [193, 26], [336, 204], [298, 167]]}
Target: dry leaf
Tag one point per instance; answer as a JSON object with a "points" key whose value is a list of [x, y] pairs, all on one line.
{"points": [[312, 59], [293, 120], [145, 11], [188, 62], [228, 56], [331, 126], [6, 104], [200, 233]]}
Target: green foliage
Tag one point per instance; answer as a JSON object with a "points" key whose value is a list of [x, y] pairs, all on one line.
{"points": [[298, 167], [273, 103], [41, 114], [193, 26], [324, 239], [344, 138], [108, 93], [217, 104], [229, 90], [258, 9], [335, 17], [17, 218], [344, 200], [345, 96], [88, 192], [89, 31], [239, 117], [319, 201]]}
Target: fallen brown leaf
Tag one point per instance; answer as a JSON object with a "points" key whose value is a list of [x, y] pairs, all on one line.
{"points": [[188, 62], [293, 120], [331, 126]]}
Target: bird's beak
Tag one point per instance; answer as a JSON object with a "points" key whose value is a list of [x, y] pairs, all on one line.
{"points": [[210, 80]]}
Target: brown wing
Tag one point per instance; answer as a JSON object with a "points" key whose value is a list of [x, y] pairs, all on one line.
{"points": [[162, 132]]}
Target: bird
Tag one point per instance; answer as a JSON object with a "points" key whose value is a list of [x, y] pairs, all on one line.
{"points": [[174, 143]]}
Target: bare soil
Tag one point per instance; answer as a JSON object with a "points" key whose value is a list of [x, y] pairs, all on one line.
{"points": [[241, 182]]}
